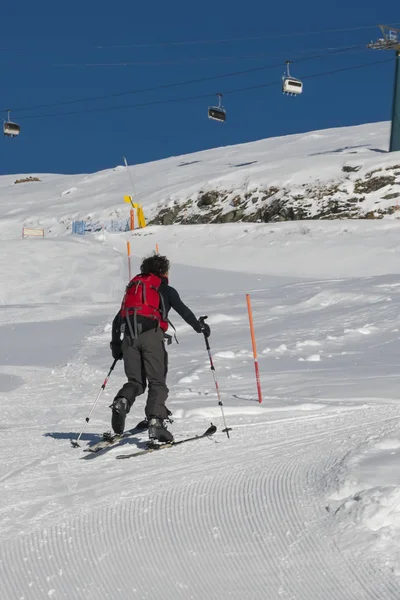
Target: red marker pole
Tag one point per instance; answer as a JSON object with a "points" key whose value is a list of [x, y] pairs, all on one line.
{"points": [[253, 341]]}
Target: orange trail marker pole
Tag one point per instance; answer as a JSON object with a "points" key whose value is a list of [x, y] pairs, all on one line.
{"points": [[132, 220], [157, 249], [128, 248], [253, 341]]}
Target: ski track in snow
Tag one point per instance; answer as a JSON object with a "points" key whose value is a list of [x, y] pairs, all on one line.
{"points": [[255, 525]]}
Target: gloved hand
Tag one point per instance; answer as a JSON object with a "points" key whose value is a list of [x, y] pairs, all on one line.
{"points": [[116, 350], [204, 328]]}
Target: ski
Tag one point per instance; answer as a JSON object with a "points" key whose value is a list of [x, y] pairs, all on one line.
{"points": [[112, 440], [153, 448]]}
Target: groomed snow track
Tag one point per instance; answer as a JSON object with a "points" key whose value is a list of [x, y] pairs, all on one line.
{"points": [[194, 524]]}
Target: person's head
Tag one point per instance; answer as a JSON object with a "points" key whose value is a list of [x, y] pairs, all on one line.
{"points": [[155, 264]]}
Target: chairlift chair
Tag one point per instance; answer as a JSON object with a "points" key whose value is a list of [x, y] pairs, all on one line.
{"points": [[10, 129], [290, 85], [217, 113]]}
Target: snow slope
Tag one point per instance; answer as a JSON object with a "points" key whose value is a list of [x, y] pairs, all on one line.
{"points": [[300, 503], [293, 161]]}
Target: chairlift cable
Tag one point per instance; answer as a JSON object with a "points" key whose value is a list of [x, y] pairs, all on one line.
{"points": [[201, 96], [240, 39], [202, 59], [197, 42], [176, 84]]}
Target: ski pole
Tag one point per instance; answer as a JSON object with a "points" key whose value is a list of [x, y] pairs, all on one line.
{"points": [[75, 443], [227, 429]]}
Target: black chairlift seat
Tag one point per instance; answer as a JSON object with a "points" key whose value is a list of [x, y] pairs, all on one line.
{"points": [[295, 83], [11, 129], [218, 114]]}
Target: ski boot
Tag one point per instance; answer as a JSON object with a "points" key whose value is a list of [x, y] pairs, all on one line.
{"points": [[119, 412], [158, 432]]}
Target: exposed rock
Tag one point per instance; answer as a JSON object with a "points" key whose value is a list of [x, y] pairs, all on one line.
{"points": [[391, 196], [371, 173], [167, 216], [351, 168], [228, 217], [372, 185], [268, 193], [372, 215], [391, 209], [207, 199], [198, 219], [26, 180], [239, 213], [316, 200], [236, 201]]}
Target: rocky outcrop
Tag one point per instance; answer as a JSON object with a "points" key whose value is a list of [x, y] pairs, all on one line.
{"points": [[371, 196], [26, 180]]}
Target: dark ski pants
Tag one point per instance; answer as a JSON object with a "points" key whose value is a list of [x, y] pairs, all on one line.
{"points": [[146, 360]]}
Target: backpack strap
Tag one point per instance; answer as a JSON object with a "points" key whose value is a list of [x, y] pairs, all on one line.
{"points": [[132, 331], [144, 298], [163, 310], [128, 320], [173, 327]]}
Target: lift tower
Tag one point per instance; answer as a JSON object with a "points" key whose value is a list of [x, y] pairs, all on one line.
{"points": [[391, 41]]}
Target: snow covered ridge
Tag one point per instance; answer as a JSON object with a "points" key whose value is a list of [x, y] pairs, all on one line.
{"points": [[338, 173], [335, 173], [374, 194]]}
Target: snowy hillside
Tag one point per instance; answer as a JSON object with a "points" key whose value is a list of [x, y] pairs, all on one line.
{"points": [[343, 172], [302, 501]]}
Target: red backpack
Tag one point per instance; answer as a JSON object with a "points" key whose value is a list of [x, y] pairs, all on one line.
{"points": [[143, 298]]}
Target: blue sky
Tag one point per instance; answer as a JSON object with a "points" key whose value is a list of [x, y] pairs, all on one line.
{"points": [[46, 52]]}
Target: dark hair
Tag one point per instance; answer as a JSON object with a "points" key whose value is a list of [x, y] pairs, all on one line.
{"points": [[156, 264]]}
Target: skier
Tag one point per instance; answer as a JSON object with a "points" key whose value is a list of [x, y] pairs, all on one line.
{"points": [[143, 321]]}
